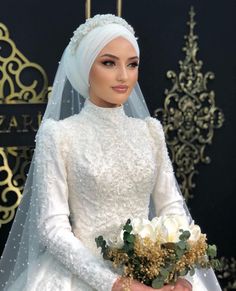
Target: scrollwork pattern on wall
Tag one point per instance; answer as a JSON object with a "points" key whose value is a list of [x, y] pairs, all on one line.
{"points": [[15, 162], [21, 82], [190, 115]]}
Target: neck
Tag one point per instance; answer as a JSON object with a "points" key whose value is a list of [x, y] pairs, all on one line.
{"points": [[112, 115]]}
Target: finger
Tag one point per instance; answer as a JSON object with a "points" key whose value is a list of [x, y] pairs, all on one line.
{"points": [[183, 284], [168, 288], [180, 287]]}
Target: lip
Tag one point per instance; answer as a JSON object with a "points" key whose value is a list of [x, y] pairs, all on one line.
{"points": [[120, 88]]}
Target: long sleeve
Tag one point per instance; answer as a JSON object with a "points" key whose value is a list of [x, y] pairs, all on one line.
{"points": [[166, 196], [168, 200], [54, 228]]}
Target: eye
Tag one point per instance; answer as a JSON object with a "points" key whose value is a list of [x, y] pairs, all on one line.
{"points": [[133, 65], [108, 63]]}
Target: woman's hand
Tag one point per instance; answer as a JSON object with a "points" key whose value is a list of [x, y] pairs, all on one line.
{"points": [[180, 285], [134, 285]]}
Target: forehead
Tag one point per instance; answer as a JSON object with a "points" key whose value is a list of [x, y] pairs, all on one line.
{"points": [[119, 45]]}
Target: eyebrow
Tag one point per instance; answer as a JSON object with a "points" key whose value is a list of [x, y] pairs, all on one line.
{"points": [[115, 57]]}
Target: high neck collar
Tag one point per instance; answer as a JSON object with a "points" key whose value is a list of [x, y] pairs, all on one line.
{"points": [[111, 114]]}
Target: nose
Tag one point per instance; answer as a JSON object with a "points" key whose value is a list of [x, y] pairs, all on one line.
{"points": [[122, 74]]}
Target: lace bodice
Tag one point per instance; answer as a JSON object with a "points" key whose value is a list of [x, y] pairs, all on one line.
{"points": [[99, 168]]}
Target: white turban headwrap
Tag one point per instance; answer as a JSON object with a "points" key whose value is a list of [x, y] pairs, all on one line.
{"points": [[78, 63]]}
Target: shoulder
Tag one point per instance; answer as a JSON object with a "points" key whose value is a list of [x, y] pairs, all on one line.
{"points": [[149, 125], [52, 139], [49, 129], [155, 128], [153, 123], [52, 128], [52, 133]]}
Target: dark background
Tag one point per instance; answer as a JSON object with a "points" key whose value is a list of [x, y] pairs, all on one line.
{"points": [[42, 29]]}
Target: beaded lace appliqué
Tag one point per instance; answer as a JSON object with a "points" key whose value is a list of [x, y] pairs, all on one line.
{"points": [[98, 169]]}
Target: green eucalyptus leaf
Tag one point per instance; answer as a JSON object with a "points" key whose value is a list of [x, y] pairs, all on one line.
{"points": [[129, 249], [128, 221], [157, 283], [181, 244], [212, 251], [179, 253], [185, 235], [99, 241], [136, 262], [130, 238], [128, 228], [192, 272], [105, 256], [184, 272], [216, 264], [125, 235], [169, 267], [164, 273]]}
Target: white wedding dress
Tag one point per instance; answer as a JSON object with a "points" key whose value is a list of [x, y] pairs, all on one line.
{"points": [[98, 169]]}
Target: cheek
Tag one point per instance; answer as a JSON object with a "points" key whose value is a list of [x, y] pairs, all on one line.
{"points": [[100, 77], [134, 77], [93, 75]]}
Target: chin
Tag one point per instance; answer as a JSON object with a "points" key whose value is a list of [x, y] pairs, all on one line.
{"points": [[119, 99]]}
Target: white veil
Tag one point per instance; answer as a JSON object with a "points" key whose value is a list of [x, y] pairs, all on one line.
{"points": [[23, 249]]}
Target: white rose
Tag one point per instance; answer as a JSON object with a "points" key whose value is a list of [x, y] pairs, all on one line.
{"points": [[195, 231], [182, 222], [144, 228], [155, 221], [169, 227], [137, 224], [148, 231]]}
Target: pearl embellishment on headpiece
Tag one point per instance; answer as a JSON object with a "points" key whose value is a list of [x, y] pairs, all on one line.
{"points": [[91, 23]]}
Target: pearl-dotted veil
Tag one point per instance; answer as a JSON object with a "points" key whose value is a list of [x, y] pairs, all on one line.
{"points": [[70, 90]]}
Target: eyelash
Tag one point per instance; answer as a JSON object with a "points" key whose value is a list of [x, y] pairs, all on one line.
{"points": [[134, 64]]}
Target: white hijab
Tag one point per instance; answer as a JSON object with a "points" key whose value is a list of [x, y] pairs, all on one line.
{"points": [[79, 63]]}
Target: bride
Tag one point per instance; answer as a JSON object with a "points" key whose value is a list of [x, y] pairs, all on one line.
{"points": [[99, 155]]}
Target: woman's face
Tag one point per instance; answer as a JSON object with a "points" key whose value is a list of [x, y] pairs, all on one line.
{"points": [[116, 65]]}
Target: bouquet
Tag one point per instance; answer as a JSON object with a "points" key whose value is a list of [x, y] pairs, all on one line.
{"points": [[159, 251]]}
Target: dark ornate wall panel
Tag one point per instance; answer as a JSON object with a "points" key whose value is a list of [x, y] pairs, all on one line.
{"points": [[41, 29]]}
